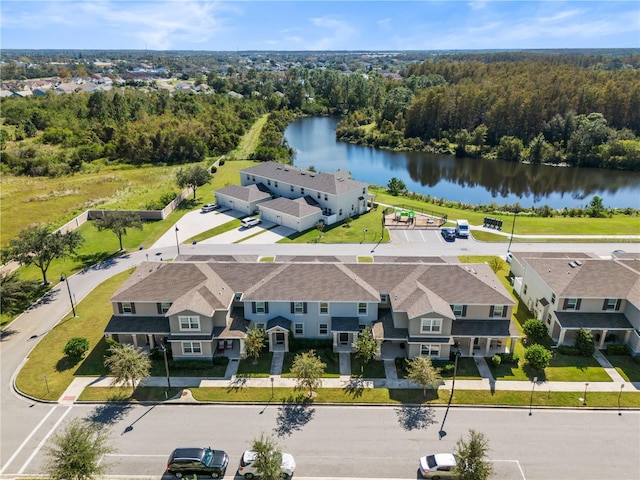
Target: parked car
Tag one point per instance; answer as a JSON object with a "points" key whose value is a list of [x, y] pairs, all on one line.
{"points": [[250, 222], [199, 461], [449, 234], [440, 465], [209, 207], [248, 471]]}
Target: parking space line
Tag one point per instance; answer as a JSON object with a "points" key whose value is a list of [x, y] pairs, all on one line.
{"points": [[43, 441], [517, 462]]}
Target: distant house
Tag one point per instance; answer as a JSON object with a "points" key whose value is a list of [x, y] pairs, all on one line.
{"points": [[23, 93], [327, 197], [204, 308], [243, 199], [573, 291]]}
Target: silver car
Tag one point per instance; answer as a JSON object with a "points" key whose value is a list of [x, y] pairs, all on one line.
{"points": [[440, 465], [247, 470]]}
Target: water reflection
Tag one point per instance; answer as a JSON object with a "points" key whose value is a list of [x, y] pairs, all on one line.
{"points": [[461, 179]]}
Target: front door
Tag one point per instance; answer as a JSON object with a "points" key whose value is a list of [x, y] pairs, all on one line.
{"points": [[279, 338], [343, 338]]}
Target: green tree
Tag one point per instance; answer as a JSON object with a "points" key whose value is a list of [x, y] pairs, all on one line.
{"points": [[365, 346], [76, 347], [396, 186], [596, 207], [472, 462], [17, 293], [127, 364], [496, 264], [76, 452], [584, 343], [254, 343], [40, 246], [193, 177], [535, 330], [4, 138], [537, 357], [268, 462], [510, 149], [118, 222], [308, 369], [422, 372]]}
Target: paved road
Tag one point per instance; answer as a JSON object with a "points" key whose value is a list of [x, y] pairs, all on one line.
{"points": [[18, 416], [362, 442]]}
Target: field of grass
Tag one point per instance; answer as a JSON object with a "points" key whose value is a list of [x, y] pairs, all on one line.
{"points": [[249, 141], [626, 366]]}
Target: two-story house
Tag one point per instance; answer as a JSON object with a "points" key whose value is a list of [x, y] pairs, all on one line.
{"points": [[296, 198], [202, 306], [572, 292]]}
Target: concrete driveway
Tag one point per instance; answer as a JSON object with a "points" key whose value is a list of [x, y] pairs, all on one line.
{"points": [[194, 223]]}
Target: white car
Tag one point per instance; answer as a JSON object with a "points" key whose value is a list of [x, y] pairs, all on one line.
{"points": [[440, 465], [248, 471], [209, 207], [250, 222]]}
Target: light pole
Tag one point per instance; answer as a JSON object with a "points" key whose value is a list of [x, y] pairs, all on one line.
{"points": [[364, 232], [584, 402], [63, 278], [535, 380], [163, 349], [619, 395], [177, 242], [455, 372], [513, 227], [271, 387]]}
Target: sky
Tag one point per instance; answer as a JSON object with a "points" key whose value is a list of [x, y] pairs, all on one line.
{"points": [[318, 25]]}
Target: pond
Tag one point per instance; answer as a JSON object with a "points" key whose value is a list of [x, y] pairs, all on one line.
{"points": [[468, 180]]}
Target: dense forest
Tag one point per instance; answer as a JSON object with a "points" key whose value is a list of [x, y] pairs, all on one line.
{"points": [[539, 107]]}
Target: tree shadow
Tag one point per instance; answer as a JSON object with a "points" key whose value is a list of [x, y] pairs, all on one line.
{"points": [[6, 333], [93, 364], [533, 373], [66, 363], [109, 413], [238, 383], [89, 260], [415, 417], [354, 387], [294, 413]]}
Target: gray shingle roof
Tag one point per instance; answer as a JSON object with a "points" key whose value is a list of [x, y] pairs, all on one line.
{"points": [[483, 328], [609, 321], [298, 208], [345, 324], [250, 193], [138, 325], [333, 183]]}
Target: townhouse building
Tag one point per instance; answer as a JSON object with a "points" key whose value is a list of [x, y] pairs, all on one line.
{"points": [[203, 307], [573, 291]]}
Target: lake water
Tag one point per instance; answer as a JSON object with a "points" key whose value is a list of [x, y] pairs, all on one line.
{"points": [[469, 180]]}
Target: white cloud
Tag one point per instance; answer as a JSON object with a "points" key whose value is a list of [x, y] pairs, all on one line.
{"points": [[477, 5], [338, 36]]}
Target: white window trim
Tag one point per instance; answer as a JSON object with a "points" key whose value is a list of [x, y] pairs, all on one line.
{"points": [[295, 329], [165, 306], [498, 310], [326, 327], [572, 303], [434, 349], [295, 308], [261, 326], [127, 307], [260, 310], [431, 321], [366, 309], [320, 312], [190, 328], [457, 310], [192, 345], [611, 303]]}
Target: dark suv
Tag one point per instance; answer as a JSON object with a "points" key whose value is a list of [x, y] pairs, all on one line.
{"points": [[199, 461]]}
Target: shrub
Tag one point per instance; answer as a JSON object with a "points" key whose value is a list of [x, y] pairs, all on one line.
{"points": [[537, 357], [584, 343], [220, 360], [618, 349], [221, 162], [509, 358], [568, 350], [496, 360], [76, 347], [535, 330]]}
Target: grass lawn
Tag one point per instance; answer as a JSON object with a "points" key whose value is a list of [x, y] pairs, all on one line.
{"points": [[327, 355], [626, 366], [260, 369], [467, 369], [373, 368], [562, 368], [225, 227], [353, 394]]}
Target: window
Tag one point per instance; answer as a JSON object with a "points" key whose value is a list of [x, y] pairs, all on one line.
{"points": [[364, 190], [571, 304], [459, 310], [291, 188], [429, 350], [298, 308], [352, 207], [127, 307], [189, 323], [164, 307], [238, 296], [553, 298], [298, 329], [324, 308], [384, 298], [318, 195], [268, 182], [191, 348], [611, 304], [524, 290], [253, 178], [261, 326], [548, 319], [430, 325], [326, 197], [340, 212], [498, 311], [301, 190], [276, 183], [323, 329], [362, 308], [248, 177], [260, 308]]}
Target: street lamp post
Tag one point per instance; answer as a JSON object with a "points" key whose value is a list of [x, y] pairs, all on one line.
{"points": [[619, 395], [533, 386], [364, 232], [584, 402], [63, 278], [271, 387], [513, 227], [163, 349], [455, 371], [177, 242]]}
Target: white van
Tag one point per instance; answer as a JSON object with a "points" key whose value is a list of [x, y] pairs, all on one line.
{"points": [[462, 228], [250, 222]]}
